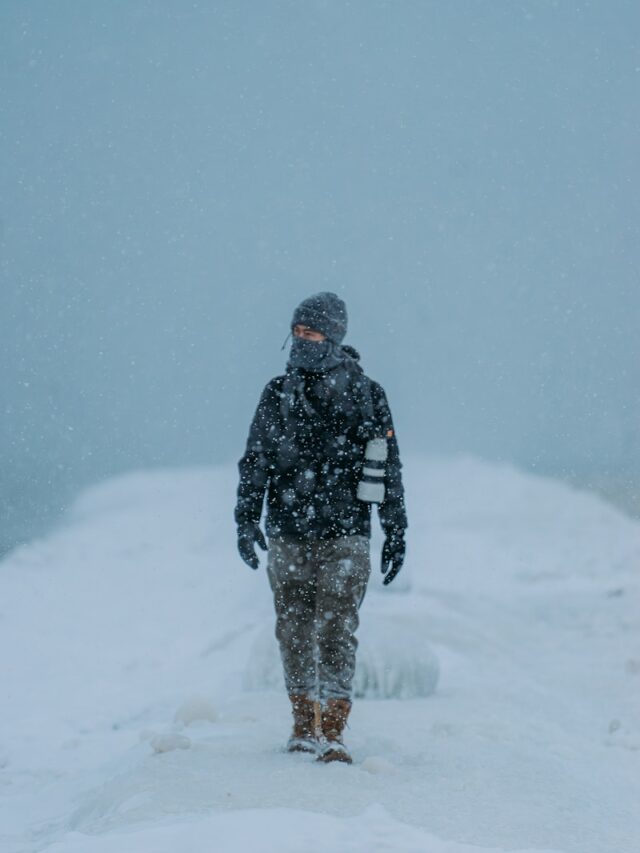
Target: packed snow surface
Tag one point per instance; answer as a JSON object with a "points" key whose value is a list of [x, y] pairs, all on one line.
{"points": [[500, 677]]}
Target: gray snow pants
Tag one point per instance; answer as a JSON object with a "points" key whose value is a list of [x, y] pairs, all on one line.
{"points": [[317, 589]]}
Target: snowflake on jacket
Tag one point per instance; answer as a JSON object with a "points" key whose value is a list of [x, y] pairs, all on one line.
{"points": [[306, 450]]}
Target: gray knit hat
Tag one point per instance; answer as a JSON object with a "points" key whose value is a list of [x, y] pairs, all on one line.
{"points": [[323, 312]]}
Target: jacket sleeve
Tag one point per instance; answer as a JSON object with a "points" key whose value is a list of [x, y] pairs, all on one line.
{"points": [[254, 466], [391, 511]]}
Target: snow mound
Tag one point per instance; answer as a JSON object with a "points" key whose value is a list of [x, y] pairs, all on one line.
{"points": [[195, 710], [169, 742], [139, 605], [394, 660], [281, 830]]}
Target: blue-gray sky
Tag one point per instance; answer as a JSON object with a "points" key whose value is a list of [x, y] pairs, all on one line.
{"points": [[175, 177]]}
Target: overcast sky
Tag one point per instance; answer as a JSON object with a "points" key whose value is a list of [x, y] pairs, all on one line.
{"points": [[175, 177]]}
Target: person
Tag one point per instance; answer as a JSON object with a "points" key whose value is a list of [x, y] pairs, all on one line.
{"points": [[323, 448]]}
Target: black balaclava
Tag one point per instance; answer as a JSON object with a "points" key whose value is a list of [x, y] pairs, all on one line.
{"points": [[323, 312]]}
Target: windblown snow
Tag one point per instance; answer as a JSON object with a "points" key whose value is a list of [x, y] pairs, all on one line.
{"points": [[499, 679]]}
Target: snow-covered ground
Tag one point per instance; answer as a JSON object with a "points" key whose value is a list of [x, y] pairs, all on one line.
{"points": [[140, 708]]}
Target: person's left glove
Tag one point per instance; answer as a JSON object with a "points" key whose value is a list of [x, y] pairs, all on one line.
{"points": [[249, 534], [393, 552]]}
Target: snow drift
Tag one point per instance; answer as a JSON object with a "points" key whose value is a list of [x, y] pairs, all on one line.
{"points": [[129, 637]]}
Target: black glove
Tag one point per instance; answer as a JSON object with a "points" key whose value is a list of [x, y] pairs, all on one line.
{"points": [[392, 555], [248, 534]]}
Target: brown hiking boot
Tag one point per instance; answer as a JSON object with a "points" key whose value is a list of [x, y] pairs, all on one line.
{"points": [[303, 737], [334, 719]]}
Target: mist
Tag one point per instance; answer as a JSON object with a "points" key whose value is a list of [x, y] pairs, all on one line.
{"points": [[175, 178]]}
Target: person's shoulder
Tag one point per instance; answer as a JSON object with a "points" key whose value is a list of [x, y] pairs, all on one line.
{"points": [[359, 376], [373, 388], [379, 396], [376, 388]]}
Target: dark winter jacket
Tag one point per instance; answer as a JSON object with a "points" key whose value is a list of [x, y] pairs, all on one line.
{"points": [[306, 449]]}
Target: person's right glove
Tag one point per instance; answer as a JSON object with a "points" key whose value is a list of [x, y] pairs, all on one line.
{"points": [[249, 534], [393, 552]]}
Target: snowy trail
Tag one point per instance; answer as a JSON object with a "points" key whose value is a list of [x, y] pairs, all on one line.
{"points": [[525, 591]]}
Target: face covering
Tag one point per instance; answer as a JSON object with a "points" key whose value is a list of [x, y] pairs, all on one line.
{"points": [[314, 356]]}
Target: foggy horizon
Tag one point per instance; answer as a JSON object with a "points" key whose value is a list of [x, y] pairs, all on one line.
{"points": [[175, 180]]}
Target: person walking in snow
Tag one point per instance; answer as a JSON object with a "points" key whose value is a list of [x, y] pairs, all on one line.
{"points": [[322, 446]]}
